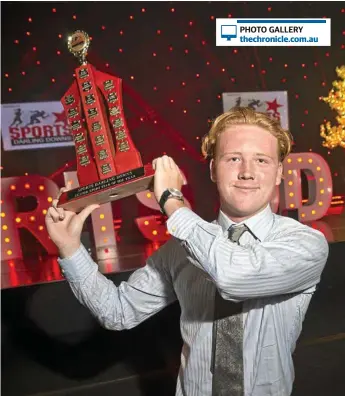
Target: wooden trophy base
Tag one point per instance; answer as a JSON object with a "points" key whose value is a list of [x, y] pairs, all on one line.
{"points": [[107, 190]]}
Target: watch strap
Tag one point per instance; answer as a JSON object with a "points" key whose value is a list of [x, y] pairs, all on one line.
{"points": [[163, 200], [165, 196]]}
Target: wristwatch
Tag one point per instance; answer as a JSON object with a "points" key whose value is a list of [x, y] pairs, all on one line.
{"points": [[170, 193]]}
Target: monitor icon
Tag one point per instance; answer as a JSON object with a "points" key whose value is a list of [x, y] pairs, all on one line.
{"points": [[228, 31]]}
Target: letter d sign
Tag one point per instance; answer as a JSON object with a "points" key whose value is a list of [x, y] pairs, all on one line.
{"points": [[319, 185]]}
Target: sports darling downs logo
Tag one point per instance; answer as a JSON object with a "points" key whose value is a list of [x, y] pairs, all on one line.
{"points": [[34, 125]]}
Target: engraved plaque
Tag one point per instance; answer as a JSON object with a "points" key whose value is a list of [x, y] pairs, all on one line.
{"points": [[118, 123], [90, 99], [121, 134], [112, 97], [106, 168], [75, 125], [81, 149], [96, 126], [124, 146], [83, 73], [99, 140], [114, 111], [69, 99], [86, 86], [84, 160], [108, 84], [92, 112], [79, 137], [102, 154], [72, 112]]}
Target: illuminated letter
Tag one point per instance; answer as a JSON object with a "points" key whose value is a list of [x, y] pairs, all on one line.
{"points": [[43, 190], [319, 185]]}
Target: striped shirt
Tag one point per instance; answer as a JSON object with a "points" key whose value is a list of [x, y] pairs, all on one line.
{"points": [[274, 270]]}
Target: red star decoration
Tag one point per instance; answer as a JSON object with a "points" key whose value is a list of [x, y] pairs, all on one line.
{"points": [[273, 106], [60, 117]]}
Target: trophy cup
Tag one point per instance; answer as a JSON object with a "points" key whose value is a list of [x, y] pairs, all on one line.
{"points": [[109, 167]]}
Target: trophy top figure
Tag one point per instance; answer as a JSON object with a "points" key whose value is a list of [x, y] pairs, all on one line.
{"points": [[78, 44]]}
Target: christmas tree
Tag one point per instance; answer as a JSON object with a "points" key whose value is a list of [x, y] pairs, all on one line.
{"points": [[334, 135]]}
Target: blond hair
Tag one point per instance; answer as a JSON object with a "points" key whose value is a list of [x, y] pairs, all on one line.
{"points": [[246, 115]]}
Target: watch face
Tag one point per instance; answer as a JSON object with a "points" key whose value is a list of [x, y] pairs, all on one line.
{"points": [[175, 192]]}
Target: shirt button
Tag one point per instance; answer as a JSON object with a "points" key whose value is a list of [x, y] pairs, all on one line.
{"points": [[173, 229]]}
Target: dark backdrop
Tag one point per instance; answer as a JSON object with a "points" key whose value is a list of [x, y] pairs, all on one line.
{"points": [[169, 50]]}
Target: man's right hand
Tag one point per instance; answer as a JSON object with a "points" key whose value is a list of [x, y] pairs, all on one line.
{"points": [[64, 227]]}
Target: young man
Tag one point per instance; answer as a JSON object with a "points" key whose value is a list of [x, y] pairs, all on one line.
{"points": [[244, 281]]}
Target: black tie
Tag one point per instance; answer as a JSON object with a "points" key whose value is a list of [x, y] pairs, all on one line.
{"points": [[227, 351]]}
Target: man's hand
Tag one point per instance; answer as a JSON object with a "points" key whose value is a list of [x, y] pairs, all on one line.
{"points": [[64, 227], [167, 175]]}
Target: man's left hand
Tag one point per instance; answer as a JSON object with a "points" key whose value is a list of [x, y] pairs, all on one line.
{"points": [[167, 175]]}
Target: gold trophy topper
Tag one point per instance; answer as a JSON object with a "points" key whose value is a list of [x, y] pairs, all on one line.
{"points": [[78, 44]]}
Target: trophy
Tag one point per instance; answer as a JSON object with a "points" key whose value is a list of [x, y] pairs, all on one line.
{"points": [[109, 167]]}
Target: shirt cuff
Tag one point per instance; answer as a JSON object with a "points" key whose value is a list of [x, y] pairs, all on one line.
{"points": [[78, 266], [182, 222]]}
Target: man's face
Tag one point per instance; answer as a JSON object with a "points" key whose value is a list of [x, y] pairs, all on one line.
{"points": [[246, 169]]}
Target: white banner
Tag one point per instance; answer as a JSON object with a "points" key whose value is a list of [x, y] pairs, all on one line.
{"points": [[273, 32], [274, 103], [34, 125]]}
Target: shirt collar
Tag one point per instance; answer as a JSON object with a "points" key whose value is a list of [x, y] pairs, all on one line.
{"points": [[259, 224]]}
